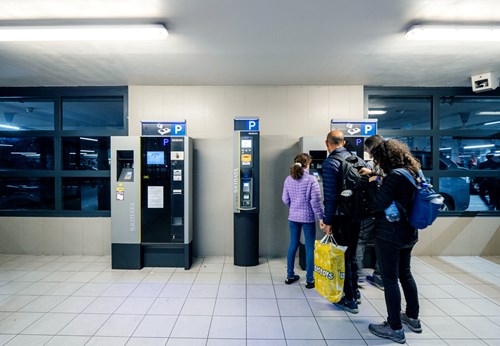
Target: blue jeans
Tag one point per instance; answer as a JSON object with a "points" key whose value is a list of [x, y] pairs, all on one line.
{"points": [[310, 236], [394, 263]]}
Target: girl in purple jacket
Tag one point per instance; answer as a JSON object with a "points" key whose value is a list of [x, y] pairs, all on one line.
{"points": [[302, 195]]}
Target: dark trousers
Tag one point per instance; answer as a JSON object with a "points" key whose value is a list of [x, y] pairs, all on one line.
{"points": [[346, 233], [394, 263]]}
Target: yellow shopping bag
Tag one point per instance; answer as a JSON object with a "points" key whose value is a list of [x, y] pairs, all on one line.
{"points": [[329, 268]]}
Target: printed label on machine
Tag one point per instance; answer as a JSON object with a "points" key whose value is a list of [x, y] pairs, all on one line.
{"points": [[177, 155], [177, 175], [155, 196]]}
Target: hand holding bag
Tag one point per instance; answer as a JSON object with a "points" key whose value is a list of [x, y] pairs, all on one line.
{"points": [[329, 268]]}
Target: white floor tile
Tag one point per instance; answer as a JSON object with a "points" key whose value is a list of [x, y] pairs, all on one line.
{"points": [[107, 341], [294, 307], [147, 342], [49, 324], [104, 305], [166, 306], [262, 307], [230, 307], [150, 290], [120, 325], [198, 306], [192, 327], [18, 321], [84, 324], [28, 340], [155, 326], [59, 340], [135, 306], [305, 328], [264, 328], [224, 327]]}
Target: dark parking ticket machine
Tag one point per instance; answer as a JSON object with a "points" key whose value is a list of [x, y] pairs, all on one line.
{"points": [[246, 191]]}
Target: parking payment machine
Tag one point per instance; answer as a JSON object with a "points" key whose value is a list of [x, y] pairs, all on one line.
{"points": [[246, 191], [152, 197]]}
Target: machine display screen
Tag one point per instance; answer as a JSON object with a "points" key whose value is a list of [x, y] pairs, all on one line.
{"points": [[246, 143], [155, 157]]}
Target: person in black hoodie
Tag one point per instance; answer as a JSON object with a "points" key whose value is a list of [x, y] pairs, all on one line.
{"points": [[394, 241]]}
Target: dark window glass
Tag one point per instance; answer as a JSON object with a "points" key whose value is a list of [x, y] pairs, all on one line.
{"points": [[469, 113], [86, 153], [25, 114], [420, 147], [471, 153], [485, 194], [92, 113], [86, 194], [400, 113], [456, 192], [26, 193], [26, 153]]}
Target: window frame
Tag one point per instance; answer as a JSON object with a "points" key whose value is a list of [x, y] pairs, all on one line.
{"points": [[58, 173], [435, 133]]}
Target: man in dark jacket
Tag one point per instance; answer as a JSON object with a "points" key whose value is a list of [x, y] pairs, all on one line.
{"points": [[344, 229]]}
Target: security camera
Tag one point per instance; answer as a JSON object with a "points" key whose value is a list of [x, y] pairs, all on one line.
{"points": [[484, 82]]}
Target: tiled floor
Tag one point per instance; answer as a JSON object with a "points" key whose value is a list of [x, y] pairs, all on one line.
{"points": [[81, 301]]}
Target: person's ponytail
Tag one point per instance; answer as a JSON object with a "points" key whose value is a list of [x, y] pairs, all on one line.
{"points": [[300, 162]]}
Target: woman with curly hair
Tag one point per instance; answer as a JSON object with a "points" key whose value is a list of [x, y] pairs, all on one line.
{"points": [[394, 241]]}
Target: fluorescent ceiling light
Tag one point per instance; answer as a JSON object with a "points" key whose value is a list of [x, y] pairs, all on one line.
{"points": [[84, 33], [492, 123], [441, 149], [10, 127], [376, 112], [454, 32], [488, 113], [479, 146], [89, 139]]}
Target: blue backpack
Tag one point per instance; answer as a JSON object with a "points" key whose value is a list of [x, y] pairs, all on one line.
{"points": [[426, 202]]}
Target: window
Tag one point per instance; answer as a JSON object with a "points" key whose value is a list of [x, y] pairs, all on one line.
{"points": [[55, 149], [457, 140]]}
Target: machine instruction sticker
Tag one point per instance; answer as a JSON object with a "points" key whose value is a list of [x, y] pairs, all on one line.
{"points": [[155, 197]]}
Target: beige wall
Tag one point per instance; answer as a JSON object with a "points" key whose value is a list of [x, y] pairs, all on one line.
{"points": [[286, 114]]}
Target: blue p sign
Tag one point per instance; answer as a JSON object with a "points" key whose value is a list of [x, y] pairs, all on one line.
{"points": [[252, 125], [177, 128]]}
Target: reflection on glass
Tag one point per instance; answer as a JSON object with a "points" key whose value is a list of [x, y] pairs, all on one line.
{"points": [[475, 113], [26, 153], [26, 114], [420, 148], [26, 193], [488, 191], [400, 113], [86, 153], [86, 194], [470, 152], [92, 112], [456, 192]]}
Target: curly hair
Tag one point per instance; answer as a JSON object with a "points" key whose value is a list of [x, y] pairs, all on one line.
{"points": [[392, 153], [300, 162]]}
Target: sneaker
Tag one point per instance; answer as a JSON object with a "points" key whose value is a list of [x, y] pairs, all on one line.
{"points": [[357, 296], [309, 284], [375, 281], [289, 281], [412, 323], [385, 331], [348, 305]]}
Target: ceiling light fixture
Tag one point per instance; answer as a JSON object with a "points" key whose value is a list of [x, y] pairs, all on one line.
{"points": [[453, 32], [84, 32], [492, 123], [488, 113], [479, 146], [376, 112]]}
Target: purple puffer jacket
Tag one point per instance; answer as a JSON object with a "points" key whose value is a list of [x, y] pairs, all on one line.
{"points": [[303, 197]]}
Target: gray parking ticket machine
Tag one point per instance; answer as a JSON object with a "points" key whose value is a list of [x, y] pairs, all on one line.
{"points": [[154, 194], [246, 191], [125, 203]]}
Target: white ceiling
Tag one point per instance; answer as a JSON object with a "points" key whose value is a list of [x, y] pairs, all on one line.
{"points": [[253, 42]]}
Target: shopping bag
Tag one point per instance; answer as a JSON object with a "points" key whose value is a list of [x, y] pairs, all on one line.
{"points": [[329, 268]]}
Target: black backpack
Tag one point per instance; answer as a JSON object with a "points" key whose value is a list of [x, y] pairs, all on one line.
{"points": [[349, 185]]}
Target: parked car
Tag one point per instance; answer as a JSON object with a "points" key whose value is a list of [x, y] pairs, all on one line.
{"points": [[455, 190]]}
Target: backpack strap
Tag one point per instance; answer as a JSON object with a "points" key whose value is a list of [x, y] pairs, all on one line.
{"points": [[408, 176]]}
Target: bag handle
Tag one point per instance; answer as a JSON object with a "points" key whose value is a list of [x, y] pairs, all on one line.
{"points": [[328, 238]]}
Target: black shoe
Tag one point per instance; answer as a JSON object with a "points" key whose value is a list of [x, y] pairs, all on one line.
{"points": [[357, 296], [375, 281], [412, 323], [309, 284], [348, 305], [385, 331], [289, 281]]}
